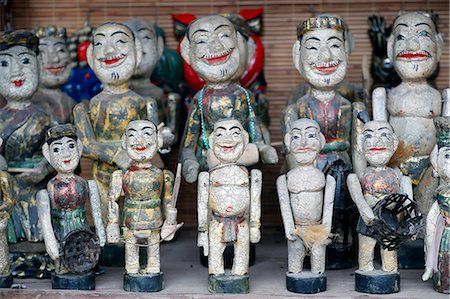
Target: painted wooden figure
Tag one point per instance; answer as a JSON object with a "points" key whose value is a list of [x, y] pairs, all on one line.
{"points": [[215, 50], [437, 245], [68, 238], [54, 71], [113, 55], [229, 206], [371, 191], [22, 128], [149, 212], [306, 202], [321, 55]]}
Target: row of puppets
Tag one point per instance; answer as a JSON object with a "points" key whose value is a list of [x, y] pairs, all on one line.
{"points": [[400, 160]]}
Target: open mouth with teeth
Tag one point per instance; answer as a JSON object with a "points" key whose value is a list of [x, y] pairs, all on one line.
{"points": [[112, 60], [55, 69], [326, 68], [407, 55], [18, 83], [227, 148], [218, 58]]}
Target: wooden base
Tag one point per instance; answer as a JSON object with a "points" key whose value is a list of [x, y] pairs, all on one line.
{"points": [[6, 281], [377, 282], [84, 281], [228, 284], [143, 282], [306, 282]]}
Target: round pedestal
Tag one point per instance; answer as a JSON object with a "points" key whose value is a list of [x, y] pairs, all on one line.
{"points": [[228, 284], [6, 281], [306, 282], [143, 282], [84, 281], [377, 282]]}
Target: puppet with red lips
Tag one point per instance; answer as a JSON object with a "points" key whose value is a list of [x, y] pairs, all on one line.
{"points": [[377, 142], [55, 69], [22, 128], [113, 56], [215, 50], [415, 47]]}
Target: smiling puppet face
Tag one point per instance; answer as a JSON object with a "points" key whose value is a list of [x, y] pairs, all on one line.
{"points": [[321, 53], [19, 73], [113, 54], [377, 142], [414, 46], [214, 49], [62, 148], [54, 57], [228, 140], [304, 141], [141, 140]]}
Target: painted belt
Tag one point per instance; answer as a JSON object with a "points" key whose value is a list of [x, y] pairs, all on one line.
{"points": [[230, 226], [143, 204], [68, 214]]}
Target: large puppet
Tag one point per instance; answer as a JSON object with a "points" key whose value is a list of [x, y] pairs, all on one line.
{"points": [[113, 56], [55, 69], [215, 50]]}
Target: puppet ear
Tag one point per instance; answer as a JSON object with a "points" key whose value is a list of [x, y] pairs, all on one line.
{"points": [[296, 55], [390, 47], [90, 56], [359, 143], [287, 142], [440, 44], [434, 158], [242, 46], [246, 137], [349, 42], [185, 49], [396, 141], [80, 148], [322, 140], [138, 49], [46, 151], [160, 46], [124, 142], [160, 139]]}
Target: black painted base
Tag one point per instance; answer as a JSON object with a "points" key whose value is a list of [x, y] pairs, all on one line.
{"points": [[306, 282], [377, 282], [228, 284], [411, 255], [143, 282], [73, 281], [6, 281], [228, 256]]}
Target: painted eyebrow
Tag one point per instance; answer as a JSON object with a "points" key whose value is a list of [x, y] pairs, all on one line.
{"points": [[422, 23], [23, 53], [57, 143], [131, 129], [59, 43], [368, 130], [401, 24], [199, 30], [223, 128], [144, 128], [313, 38], [120, 31], [220, 26], [335, 37], [6, 54], [383, 128], [311, 127], [100, 34], [235, 127], [142, 29]]}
